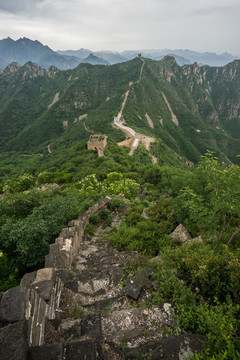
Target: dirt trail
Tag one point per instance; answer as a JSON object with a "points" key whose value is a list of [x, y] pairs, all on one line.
{"points": [[141, 71], [133, 138]]}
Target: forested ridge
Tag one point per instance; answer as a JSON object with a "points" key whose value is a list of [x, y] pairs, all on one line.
{"points": [[41, 190]]}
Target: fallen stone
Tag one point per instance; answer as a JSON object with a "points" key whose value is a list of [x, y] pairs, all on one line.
{"points": [[13, 341], [132, 289], [182, 347], [180, 234], [198, 239], [142, 280]]}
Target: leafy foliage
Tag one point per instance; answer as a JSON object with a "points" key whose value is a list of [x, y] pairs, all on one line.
{"points": [[214, 197]]}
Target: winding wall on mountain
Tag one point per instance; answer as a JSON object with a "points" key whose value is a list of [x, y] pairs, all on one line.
{"points": [[25, 308], [80, 305]]}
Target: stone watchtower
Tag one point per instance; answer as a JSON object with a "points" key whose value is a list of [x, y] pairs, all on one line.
{"points": [[97, 142]]}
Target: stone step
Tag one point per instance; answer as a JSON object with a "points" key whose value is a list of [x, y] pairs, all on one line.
{"points": [[78, 350]]}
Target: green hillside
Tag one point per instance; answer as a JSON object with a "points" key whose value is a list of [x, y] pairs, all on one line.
{"points": [[61, 108], [170, 116]]}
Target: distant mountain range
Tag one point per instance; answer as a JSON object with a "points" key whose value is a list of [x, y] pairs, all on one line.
{"points": [[177, 113], [24, 50]]}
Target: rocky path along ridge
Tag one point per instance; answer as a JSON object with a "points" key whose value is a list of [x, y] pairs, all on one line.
{"points": [[103, 309], [106, 312]]}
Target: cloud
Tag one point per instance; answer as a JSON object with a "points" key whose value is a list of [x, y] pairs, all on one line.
{"points": [[211, 25], [19, 6]]}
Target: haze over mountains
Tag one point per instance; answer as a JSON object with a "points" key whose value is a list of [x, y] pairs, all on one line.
{"points": [[24, 50]]}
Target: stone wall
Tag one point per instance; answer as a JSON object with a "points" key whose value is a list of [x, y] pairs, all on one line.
{"points": [[25, 308], [97, 142]]}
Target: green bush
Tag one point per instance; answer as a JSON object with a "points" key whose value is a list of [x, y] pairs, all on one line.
{"points": [[9, 277], [94, 218], [89, 230], [115, 203], [26, 240], [176, 275], [21, 183]]}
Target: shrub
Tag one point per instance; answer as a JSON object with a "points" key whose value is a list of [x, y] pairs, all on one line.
{"points": [[94, 219], [115, 203]]}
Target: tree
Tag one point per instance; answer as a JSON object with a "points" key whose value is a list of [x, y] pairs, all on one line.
{"points": [[213, 198], [21, 183]]}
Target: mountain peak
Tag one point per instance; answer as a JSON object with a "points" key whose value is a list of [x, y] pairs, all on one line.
{"points": [[95, 60], [12, 68], [170, 59]]}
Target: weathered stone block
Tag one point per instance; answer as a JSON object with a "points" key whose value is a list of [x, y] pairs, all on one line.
{"points": [[37, 311], [70, 330], [12, 305], [83, 350], [180, 234], [91, 325], [27, 280], [44, 283], [132, 289], [13, 341], [46, 352], [44, 289], [74, 223], [182, 347], [56, 258], [48, 273], [151, 351], [142, 280], [67, 233]]}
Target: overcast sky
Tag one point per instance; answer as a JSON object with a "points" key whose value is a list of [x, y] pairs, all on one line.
{"points": [[201, 25]]}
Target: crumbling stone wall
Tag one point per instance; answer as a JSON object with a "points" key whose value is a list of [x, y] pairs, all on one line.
{"points": [[97, 142], [25, 308]]}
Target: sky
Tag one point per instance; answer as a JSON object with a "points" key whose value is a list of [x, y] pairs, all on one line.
{"points": [[117, 25]]}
